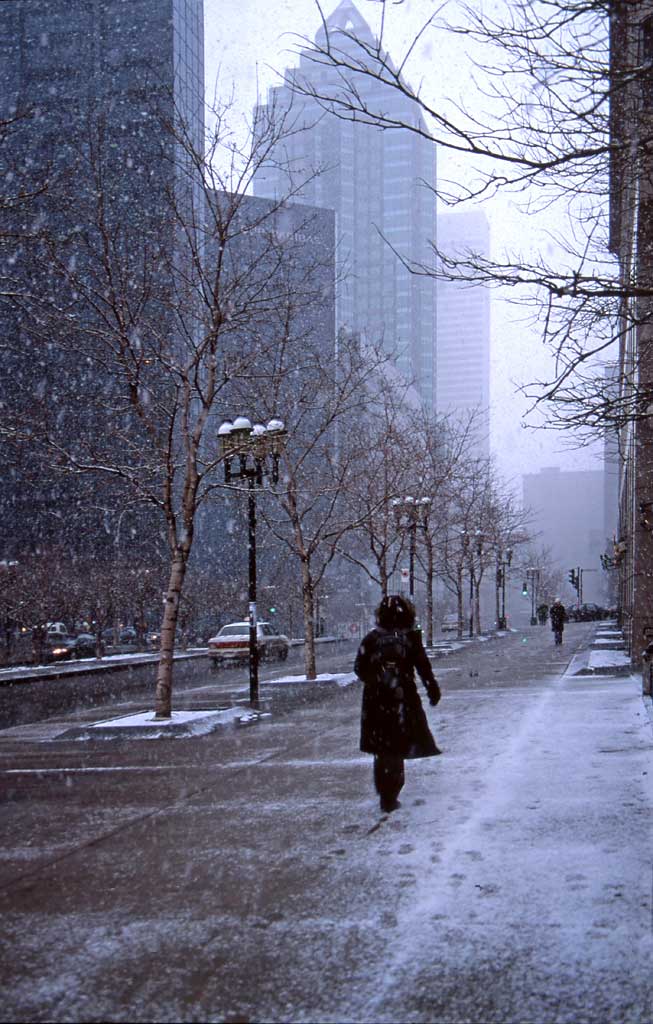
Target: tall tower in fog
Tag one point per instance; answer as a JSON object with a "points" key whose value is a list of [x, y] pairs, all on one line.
{"points": [[463, 334], [377, 182]]}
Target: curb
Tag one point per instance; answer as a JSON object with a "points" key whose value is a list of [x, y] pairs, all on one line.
{"points": [[233, 717]]}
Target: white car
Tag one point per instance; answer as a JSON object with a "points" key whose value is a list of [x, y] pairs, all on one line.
{"points": [[450, 624], [232, 643]]}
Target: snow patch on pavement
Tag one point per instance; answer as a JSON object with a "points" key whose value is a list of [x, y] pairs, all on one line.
{"points": [[608, 659]]}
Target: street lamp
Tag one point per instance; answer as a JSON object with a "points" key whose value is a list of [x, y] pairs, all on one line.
{"points": [[503, 563], [410, 513], [533, 575], [250, 452]]}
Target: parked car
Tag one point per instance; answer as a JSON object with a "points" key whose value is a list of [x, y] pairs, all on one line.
{"points": [[232, 643], [56, 631], [589, 612], [84, 646], [450, 624], [128, 635], [59, 648]]}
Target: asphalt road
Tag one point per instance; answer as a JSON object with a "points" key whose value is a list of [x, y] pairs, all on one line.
{"points": [[248, 876]]}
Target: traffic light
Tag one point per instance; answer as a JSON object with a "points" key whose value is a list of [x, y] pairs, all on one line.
{"points": [[573, 578], [272, 611], [524, 588]]}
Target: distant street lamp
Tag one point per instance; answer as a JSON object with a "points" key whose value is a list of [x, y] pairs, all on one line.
{"points": [[250, 452], [533, 574], [410, 513], [503, 562]]}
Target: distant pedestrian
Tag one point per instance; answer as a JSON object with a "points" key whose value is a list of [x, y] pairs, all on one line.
{"points": [[558, 619], [393, 723], [542, 614]]}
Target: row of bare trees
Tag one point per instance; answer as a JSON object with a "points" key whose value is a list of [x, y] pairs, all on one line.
{"points": [[134, 338], [555, 116]]}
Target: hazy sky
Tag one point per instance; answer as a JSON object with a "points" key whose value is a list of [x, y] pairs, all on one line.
{"points": [[247, 41]]}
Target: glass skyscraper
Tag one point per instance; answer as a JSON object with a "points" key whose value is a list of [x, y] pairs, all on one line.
{"points": [[378, 184], [463, 384]]}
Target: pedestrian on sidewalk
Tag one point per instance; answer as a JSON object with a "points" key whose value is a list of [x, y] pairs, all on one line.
{"points": [[558, 618], [393, 723]]}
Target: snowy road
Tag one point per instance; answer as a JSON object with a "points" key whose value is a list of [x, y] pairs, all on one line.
{"points": [[249, 876]]}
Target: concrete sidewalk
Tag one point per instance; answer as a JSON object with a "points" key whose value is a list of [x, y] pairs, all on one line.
{"points": [[248, 876]]}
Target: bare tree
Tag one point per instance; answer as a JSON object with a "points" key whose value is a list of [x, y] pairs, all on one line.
{"points": [[546, 117], [375, 545], [323, 400], [163, 317]]}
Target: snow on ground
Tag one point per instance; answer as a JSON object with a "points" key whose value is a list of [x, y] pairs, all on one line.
{"points": [[146, 718], [182, 724], [340, 678], [83, 664], [608, 659]]}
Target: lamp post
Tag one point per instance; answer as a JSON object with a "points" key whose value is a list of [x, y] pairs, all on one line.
{"points": [[410, 513], [533, 575], [503, 563], [250, 452]]}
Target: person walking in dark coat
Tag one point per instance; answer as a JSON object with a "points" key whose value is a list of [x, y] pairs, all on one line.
{"points": [[393, 723], [558, 618]]}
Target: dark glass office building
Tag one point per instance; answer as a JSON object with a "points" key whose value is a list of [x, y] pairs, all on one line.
{"points": [[96, 98]]}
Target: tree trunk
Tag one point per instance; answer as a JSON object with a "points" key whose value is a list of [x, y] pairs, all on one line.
{"points": [[38, 644], [429, 591], [497, 597], [477, 606], [309, 622], [163, 700], [383, 573], [459, 595]]}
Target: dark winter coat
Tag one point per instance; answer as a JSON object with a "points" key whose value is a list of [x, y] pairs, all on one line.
{"points": [[558, 616], [392, 716]]}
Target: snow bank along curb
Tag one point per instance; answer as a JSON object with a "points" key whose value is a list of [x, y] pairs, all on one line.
{"points": [[607, 655], [88, 666], [182, 725]]}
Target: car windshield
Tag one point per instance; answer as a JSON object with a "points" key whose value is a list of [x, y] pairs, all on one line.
{"points": [[237, 629]]}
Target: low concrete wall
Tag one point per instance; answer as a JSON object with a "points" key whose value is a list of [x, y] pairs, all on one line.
{"points": [[31, 699]]}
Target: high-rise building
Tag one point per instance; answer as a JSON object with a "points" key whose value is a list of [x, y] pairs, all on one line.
{"points": [[115, 61], [463, 329], [96, 95], [567, 517], [380, 183]]}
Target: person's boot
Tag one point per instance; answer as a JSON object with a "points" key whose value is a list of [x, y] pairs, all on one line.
{"points": [[389, 804]]}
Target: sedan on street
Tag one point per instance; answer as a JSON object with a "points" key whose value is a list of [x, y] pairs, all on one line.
{"points": [[232, 643]]}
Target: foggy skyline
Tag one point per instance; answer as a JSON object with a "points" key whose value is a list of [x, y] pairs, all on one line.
{"points": [[247, 49]]}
